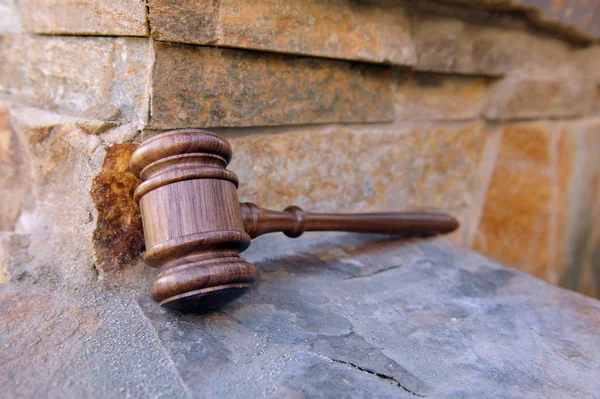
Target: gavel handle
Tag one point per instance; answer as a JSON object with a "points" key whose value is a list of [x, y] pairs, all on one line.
{"points": [[293, 221]]}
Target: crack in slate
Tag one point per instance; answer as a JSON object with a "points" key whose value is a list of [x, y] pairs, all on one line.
{"points": [[374, 273], [379, 375]]}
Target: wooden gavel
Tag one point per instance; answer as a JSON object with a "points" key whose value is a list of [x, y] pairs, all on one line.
{"points": [[195, 228]]}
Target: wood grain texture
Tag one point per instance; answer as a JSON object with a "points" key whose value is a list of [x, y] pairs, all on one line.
{"points": [[293, 221], [195, 228]]}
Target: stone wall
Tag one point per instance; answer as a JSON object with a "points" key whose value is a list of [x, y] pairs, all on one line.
{"points": [[490, 111]]}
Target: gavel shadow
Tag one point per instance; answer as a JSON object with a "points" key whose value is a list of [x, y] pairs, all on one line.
{"points": [[346, 255]]}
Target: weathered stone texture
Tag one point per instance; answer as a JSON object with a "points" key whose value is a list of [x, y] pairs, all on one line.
{"points": [[538, 210], [59, 335], [361, 169], [445, 44], [578, 217], [14, 256], [101, 78], [581, 16], [590, 273], [374, 31], [574, 19], [206, 87], [524, 214], [9, 17], [432, 96], [118, 238], [517, 212], [85, 17], [14, 186], [59, 345], [58, 218], [530, 98], [332, 315]]}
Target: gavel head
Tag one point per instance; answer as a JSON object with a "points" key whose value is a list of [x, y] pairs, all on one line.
{"points": [[192, 222]]}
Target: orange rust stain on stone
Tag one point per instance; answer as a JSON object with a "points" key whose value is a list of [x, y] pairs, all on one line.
{"points": [[118, 237], [515, 227]]}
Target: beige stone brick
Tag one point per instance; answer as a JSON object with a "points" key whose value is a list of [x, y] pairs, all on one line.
{"points": [[374, 31], [14, 176], [9, 17], [114, 18], [343, 169], [206, 87], [578, 204], [536, 215], [431, 96], [537, 98], [516, 223], [445, 44], [98, 77]]}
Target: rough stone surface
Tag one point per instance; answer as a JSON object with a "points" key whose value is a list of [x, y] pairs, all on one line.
{"points": [[362, 168], [375, 31], [57, 218], [98, 78], [85, 17], [331, 315], [13, 256], [538, 210], [118, 238], [577, 19], [578, 179], [432, 96], [530, 98], [66, 344], [206, 87], [445, 44], [13, 175], [590, 273], [582, 16], [9, 17], [518, 223]]}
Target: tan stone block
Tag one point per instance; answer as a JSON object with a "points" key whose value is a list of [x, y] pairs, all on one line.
{"points": [[578, 212], [517, 225], [375, 31], [118, 238], [9, 17], [531, 98], [113, 18], [14, 182], [342, 169], [446, 44], [575, 20], [590, 279], [432, 96], [60, 217], [206, 87], [94, 77]]}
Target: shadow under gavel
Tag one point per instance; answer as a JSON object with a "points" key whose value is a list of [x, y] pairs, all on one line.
{"points": [[195, 228]]}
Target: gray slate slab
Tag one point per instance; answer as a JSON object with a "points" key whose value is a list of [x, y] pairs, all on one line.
{"points": [[330, 316]]}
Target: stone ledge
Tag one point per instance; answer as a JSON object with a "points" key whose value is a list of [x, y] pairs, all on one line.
{"points": [[85, 17], [375, 32], [196, 86], [331, 314]]}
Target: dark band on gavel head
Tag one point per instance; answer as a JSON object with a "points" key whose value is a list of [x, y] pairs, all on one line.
{"points": [[195, 227]]}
